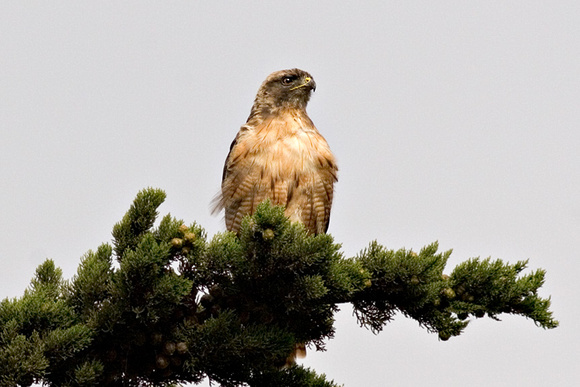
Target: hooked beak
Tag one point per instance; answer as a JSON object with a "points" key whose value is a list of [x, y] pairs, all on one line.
{"points": [[308, 82]]}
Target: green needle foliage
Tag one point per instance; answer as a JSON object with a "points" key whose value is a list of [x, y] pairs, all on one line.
{"points": [[166, 305]]}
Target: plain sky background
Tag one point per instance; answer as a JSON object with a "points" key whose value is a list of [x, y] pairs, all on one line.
{"points": [[451, 120]]}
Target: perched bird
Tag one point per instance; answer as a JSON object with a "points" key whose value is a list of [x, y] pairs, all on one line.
{"points": [[278, 154]]}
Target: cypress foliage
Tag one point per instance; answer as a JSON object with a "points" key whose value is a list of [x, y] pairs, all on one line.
{"points": [[166, 305]]}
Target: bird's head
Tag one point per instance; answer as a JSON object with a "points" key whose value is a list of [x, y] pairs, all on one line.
{"points": [[286, 89]]}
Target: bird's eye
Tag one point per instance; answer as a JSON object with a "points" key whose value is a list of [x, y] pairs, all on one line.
{"points": [[288, 80]]}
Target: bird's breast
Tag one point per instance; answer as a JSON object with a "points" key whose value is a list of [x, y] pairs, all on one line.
{"points": [[289, 145]]}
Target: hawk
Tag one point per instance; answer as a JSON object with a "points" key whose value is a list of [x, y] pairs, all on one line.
{"points": [[278, 154]]}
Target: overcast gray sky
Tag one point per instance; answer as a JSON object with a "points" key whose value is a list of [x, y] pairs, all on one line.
{"points": [[451, 120]]}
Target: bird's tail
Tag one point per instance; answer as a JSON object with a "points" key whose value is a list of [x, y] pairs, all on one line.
{"points": [[299, 352]]}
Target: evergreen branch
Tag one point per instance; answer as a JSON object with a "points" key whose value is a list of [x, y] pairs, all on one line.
{"points": [[138, 220], [179, 308]]}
